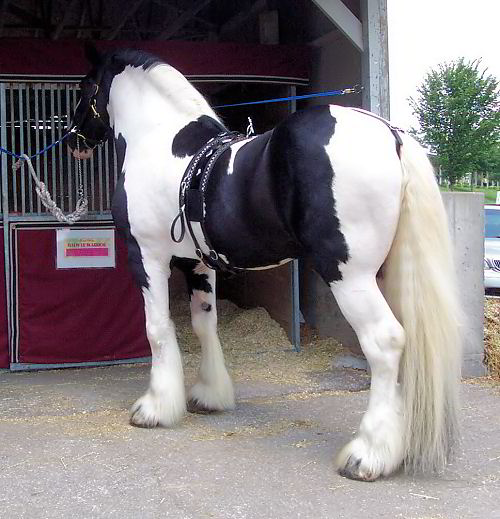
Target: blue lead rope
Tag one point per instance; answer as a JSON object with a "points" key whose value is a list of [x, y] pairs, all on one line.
{"points": [[355, 90], [41, 152]]}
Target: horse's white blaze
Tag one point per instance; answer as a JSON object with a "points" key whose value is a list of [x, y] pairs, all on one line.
{"points": [[367, 178], [234, 150]]}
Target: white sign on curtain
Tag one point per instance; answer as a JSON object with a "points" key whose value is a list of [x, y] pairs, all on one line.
{"points": [[85, 248]]}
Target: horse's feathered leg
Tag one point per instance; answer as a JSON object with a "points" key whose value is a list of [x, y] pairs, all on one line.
{"points": [[378, 448], [213, 390], [164, 402]]}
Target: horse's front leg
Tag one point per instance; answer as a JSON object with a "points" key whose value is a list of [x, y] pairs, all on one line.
{"points": [[213, 390], [164, 403]]}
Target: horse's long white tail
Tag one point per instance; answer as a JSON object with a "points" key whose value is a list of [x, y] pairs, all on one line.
{"points": [[420, 287]]}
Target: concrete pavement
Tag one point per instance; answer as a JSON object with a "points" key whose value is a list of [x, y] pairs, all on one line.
{"points": [[67, 451]]}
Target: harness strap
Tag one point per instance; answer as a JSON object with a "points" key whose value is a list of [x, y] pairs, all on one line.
{"points": [[394, 129], [192, 198]]}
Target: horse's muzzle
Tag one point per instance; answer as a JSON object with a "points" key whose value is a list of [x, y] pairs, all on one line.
{"points": [[82, 154]]}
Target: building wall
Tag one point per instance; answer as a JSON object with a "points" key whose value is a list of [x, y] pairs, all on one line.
{"points": [[336, 65], [466, 219]]}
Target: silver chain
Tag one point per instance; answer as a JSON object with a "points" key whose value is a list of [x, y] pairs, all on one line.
{"points": [[44, 195], [79, 167]]}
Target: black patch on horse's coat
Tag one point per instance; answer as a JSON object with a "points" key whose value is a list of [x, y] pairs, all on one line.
{"points": [[120, 217], [194, 135], [302, 139], [194, 280], [206, 307], [121, 148], [244, 217], [278, 201]]}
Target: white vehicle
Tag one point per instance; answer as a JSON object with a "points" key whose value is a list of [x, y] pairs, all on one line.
{"points": [[491, 247]]}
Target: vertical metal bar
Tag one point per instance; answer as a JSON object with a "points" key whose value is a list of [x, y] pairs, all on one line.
{"points": [[106, 173], [70, 173], [294, 274], [37, 141], [53, 155], [91, 174], [115, 168], [99, 177], [84, 164], [293, 102], [44, 136], [375, 57], [69, 160], [5, 92], [27, 106], [13, 141], [21, 104], [5, 208], [60, 148]]}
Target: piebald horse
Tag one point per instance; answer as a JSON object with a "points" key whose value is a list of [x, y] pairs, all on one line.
{"points": [[329, 183]]}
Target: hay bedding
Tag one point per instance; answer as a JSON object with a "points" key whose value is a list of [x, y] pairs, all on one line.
{"points": [[492, 337], [255, 346], [256, 349]]}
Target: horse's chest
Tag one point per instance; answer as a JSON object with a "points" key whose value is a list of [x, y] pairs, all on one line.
{"points": [[146, 196]]}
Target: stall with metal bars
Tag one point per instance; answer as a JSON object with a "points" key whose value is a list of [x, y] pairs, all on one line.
{"points": [[51, 314], [70, 318]]}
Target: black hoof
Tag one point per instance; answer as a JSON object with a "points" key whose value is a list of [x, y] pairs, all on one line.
{"points": [[351, 471], [137, 420], [194, 406]]}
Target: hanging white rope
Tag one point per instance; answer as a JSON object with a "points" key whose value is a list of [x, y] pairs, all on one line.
{"points": [[44, 195]]}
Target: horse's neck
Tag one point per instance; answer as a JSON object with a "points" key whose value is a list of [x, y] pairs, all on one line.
{"points": [[160, 100]]}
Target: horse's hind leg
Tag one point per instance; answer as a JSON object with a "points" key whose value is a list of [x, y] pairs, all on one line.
{"points": [[164, 402], [378, 448], [213, 390]]}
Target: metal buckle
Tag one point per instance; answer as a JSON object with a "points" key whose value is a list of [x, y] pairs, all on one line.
{"points": [[93, 107], [356, 89], [213, 255], [199, 253]]}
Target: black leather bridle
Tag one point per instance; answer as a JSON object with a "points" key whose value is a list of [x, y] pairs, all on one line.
{"points": [[92, 110]]}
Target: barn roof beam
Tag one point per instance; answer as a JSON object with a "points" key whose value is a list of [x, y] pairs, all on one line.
{"points": [[66, 16], [3, 12], [127, 13], [234, 23], [181, 20], [343, 18], [25, 16]]}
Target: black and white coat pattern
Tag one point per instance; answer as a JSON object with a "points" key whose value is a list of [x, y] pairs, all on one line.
{"points": [[327, 183]]}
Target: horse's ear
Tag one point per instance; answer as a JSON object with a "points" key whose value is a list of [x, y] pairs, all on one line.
{"points": [[92, 54]]}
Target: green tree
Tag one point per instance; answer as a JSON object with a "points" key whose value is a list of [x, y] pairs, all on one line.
{"points": [[457, 109], [490, 164]]}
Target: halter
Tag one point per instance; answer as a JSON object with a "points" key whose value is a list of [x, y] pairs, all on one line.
{"points": [[92, 143], [192, 190]]}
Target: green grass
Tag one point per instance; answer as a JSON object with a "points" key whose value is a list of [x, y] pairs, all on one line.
{"points": [[490, 193]]}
